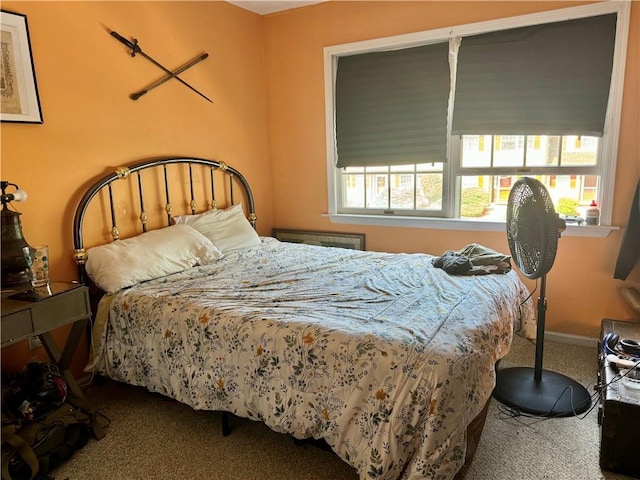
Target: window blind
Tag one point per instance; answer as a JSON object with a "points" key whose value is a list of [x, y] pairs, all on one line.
{"points": [[391, 107], [549, 79]]}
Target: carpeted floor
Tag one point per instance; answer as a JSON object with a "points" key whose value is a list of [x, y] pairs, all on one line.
{"points": [[151, 437]]}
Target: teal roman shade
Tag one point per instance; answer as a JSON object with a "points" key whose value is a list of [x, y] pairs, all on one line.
{"points": [[391, 107], [549, 79]]}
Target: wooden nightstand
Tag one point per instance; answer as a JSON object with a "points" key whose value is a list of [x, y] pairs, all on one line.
{"points": [[68, 304]]}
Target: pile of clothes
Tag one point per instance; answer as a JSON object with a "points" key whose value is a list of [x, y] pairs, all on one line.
{"points": [[473, 259]]}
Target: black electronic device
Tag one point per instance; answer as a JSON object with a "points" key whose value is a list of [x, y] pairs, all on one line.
{"points": [[533, 229], [612, 344]]}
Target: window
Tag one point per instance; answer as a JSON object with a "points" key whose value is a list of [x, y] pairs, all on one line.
{"points": [[573, 154], [407, 188], [484, 194]]}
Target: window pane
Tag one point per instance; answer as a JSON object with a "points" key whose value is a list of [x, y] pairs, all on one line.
{"points": [[476, 151], [377, 169], [573, 193], [543, 150], [402, 191], [579, 150], [508, 150], [354, 170], [589, 189], [353, 191], [377, 191], [475, 201], [429, 191]]}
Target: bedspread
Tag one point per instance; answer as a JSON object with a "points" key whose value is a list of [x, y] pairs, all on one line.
{"points": [[384, 356]]}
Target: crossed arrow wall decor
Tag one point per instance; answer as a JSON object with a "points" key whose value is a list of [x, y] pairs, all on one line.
{"points": [[135, 49]]}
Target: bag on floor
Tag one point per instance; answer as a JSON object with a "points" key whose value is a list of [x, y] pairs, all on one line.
{"points": [[30, 451]]}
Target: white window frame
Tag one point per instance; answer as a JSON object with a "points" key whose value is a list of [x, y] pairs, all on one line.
{"points": [[608, 147]]}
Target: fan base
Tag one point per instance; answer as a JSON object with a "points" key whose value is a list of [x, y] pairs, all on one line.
{"points": [[555, 395]]}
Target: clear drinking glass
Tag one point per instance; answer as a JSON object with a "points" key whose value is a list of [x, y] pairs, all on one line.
{"points": [[40, 266]]}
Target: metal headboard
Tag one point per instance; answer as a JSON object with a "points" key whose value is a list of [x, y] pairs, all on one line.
{"points": [[125, 172]]}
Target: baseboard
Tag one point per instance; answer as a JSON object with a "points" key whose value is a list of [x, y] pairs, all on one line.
{"points": [[571, 339]]}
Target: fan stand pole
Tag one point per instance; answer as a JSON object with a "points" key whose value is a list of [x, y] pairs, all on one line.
{"points": [[536, 391], [542, 315]]}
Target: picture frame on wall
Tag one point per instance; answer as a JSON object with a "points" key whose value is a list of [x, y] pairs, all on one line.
{"points": [[19, 100], [354, 241]]}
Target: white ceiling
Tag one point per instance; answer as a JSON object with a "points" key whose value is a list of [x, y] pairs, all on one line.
{"points": [[264, 7]]}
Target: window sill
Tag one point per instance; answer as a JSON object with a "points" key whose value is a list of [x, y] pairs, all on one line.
{"points": [[457, 224]]}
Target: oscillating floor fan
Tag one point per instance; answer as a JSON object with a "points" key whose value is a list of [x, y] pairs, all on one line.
{"points": [[533, 229]]}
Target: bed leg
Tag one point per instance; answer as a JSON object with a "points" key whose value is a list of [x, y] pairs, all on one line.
{"points": [[226, 430]]}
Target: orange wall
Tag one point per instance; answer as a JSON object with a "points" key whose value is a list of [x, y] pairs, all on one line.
{"points": [[90, 125], [580, 288]]}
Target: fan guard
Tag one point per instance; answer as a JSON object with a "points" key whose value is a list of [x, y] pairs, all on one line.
{"points": [[533, 229]]}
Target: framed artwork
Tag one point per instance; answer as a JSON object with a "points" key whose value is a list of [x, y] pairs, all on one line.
{"points": [[19, 93], [354, 241]]}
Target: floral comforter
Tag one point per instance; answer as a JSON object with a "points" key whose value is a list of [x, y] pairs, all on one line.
{"points": [[384, 356]]}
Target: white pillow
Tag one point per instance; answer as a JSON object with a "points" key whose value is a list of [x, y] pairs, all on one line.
{"points": [[228, 229], [153, 254]]}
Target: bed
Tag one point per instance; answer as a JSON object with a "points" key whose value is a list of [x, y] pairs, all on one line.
{"points": [[384, 357]]}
